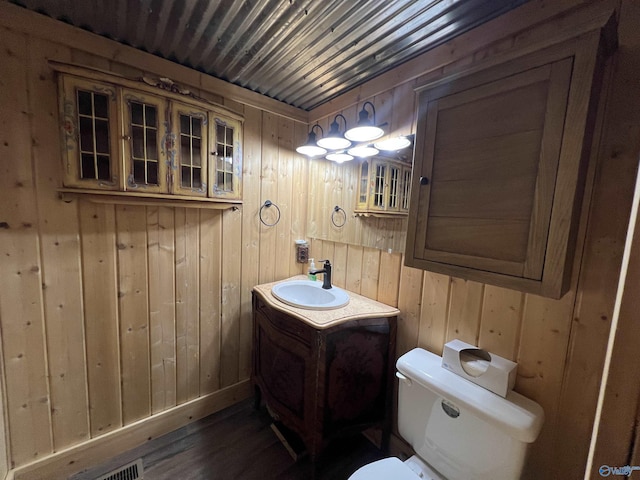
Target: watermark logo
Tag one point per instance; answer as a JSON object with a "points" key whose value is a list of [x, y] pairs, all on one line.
{"points": [[606, 470]]}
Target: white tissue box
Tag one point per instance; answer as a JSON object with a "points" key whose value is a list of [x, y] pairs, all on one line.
{"points": [[486, 369]]}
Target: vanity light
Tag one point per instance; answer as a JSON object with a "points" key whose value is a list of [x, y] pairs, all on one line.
{"points": [[392, 144], [366, 130], [363, 151], [311, 148], [334, 139], [339, 157]]}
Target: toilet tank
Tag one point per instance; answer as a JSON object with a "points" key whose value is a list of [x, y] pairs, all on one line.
{"points": [[459, 428]]}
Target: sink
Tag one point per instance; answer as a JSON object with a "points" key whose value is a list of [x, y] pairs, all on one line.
{"points": [[310, 295]]}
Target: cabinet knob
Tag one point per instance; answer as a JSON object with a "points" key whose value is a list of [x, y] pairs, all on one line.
{"points": [[424, 181], [126, 137]]}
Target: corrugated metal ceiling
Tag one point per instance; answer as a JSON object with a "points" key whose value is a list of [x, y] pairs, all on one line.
{"points": [[301, 52]]}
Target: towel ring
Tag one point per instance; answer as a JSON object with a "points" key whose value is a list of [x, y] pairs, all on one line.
{"points": [[267, 204], [337, 209]]}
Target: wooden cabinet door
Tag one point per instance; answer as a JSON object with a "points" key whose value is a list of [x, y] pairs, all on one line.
{"points": [[499, 169], [189, 159], [89, 112], [226, 157], [146, 128], [490, 154]]}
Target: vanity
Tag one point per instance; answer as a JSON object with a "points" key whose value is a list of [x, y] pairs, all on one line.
{"points": [[324, 373]]}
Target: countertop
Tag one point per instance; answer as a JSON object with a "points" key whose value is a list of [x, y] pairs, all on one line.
{"points": [[358, 307]]}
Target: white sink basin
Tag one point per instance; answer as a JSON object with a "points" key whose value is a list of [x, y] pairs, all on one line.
{"points": [[310, 295]]}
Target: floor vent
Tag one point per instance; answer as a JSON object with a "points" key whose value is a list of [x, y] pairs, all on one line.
{"points": [[132, 471]]}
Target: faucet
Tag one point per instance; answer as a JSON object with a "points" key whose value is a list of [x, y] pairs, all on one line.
{"points": [[326, 280]]}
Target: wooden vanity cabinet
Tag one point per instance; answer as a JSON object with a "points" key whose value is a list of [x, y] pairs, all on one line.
{"points": [[499, 168], [324, 383]]}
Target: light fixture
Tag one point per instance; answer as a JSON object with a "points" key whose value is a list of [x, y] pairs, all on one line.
{"points": [[392, 144], [311, 148], [334, 139], [339, 157], [366, 130], [363, 151]]}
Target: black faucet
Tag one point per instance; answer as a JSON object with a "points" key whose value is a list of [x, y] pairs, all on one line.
{"points": [[326, 280]]}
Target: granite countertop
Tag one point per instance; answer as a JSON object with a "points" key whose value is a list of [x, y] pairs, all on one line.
{"points": [[358, 307]]}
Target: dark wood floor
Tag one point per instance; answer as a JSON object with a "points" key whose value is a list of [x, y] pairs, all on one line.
{"points": [[236, 443]]}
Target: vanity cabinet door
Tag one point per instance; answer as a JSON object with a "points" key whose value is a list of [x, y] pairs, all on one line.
{"points": [[357, 362]]}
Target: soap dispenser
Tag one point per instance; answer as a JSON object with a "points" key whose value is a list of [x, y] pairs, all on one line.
{"points": [[312, 268]]}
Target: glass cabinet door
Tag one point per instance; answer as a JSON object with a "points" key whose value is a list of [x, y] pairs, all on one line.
{"points": [[90, 134], [226, 157], [393, 188], [363, 186], [189, 153], [379, 200], [405, 189], [145, 134]]}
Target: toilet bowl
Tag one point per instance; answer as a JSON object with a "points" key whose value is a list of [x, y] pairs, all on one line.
{"points": [[458, 430], [395, 469]]}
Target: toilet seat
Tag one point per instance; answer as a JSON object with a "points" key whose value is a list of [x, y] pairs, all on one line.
{"points": [[385, 469], [395, 469]]}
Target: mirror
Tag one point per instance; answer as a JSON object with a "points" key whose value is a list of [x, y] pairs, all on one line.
{"points": [[373, 199]]}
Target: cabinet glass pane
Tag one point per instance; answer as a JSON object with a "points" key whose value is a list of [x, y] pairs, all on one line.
{"points": [[191, 151], [144, 142], [87, 165], [86, 134], [102, 136], [152, 173], [93, 126], [197, 177], [364, 182], [406, 189], [378, 193], [84, 103], [394, 177], [101, 106], [104, 170], [137, 114], [224, 153]]}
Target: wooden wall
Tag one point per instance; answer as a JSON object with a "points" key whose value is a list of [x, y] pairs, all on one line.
{"points": [[113, 315], [559, 344]]}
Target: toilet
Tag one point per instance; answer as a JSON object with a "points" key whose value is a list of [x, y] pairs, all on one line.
{"points": [[458, 430]]}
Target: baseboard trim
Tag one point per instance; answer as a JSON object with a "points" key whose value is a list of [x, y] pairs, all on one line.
{"points": [[61, 465]]}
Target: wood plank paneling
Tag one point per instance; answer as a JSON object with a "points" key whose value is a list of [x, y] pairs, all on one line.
{"points": [[187, 304], [464, 310], [434, 314], [370, 273], [21, 299], [251, 171], [354, 268], [269, 190], [388, 285], [230, 301], [210, 308], [98, 237], [409, 299], [60, 252], [339, 271], [133, 306], [162, 312], [500, 321]]}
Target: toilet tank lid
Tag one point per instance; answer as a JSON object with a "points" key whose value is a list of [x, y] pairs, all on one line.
{"points": [[517, 415]]}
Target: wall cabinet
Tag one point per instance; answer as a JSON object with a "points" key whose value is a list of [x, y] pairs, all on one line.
{"points": [[383, 187], [501, 156], [323, 383], [129, 136]]}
